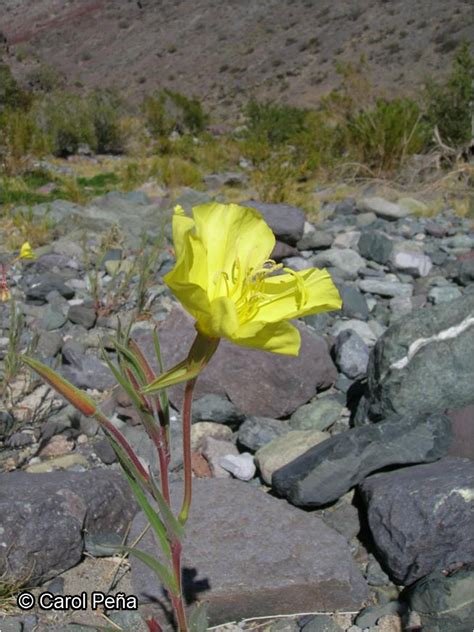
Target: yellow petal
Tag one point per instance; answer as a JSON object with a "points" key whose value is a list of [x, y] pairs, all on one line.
{"points": [[188, 279], [288, 296], [223, 321], [280, 337], [26, 251], [230, 232], [181, 225]]}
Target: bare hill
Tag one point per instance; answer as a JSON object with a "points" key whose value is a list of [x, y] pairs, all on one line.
{"points": [[225, 51]]}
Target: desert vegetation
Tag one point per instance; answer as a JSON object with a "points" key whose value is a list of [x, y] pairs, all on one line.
{"points": [[168, 138]]}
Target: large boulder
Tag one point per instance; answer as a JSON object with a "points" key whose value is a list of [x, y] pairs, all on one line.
{"points": [[421, 517], [424, 362], [325, 472], [242, 566], [258, 383], [43, 517], [445, 603]]}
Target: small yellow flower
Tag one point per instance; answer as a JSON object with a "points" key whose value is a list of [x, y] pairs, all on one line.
{"points": [[26, 251], [4, 293], [224, 278]]}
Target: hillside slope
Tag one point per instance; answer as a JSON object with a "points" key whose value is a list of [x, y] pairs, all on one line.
{"points": [[223, 52]]}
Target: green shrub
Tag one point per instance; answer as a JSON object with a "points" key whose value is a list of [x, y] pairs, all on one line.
{"points": [[382, 137], [11, 95], [193, 118], [274, 123], [44, 78], [448, 103], [20, 139], [106, 109], [168, 111], [66, 120]]}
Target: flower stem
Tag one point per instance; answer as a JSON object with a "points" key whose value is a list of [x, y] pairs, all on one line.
{"points": [[188, 474]]}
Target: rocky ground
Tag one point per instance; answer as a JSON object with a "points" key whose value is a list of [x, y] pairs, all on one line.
{"points": [[337, 486]]}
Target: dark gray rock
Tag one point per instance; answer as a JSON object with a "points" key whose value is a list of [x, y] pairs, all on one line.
{"points": [[346, 207], [375, 245], [354, 304], [128, 620], [42, 518], [347, 262], [54, 262], [256, 432], [39, 286], [375, 574], [82, 315], [237, 561], [316, 240], [146, 450], [105, 452], [462, 421], [369, 616], [466, 272], [49, 344], [421, 517], [321, 623], [445, 603], [229, 179], [257, 383], [281, 251], [343, 517], [424, 362], [84, 370], [217, 409], [54, 317], [352, 354], [287, 222], [318, 414], [383, 208], [12, 624], [103, 544], [325, 472], [6, 423]]}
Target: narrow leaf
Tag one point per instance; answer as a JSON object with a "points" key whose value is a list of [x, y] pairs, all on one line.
{"points": [[145, 365], [174, 527], [131, 359], [165, 575], [124, 383], [151, 514]]}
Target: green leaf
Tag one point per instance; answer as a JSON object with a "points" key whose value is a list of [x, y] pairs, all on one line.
{"points": [[197, 618], [124, 383], [164, 573], [174, 527], [151, 515], [132, 360]]}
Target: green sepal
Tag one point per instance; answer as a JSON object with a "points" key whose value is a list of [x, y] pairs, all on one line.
{"points": [[203, 348], [85, 404]]}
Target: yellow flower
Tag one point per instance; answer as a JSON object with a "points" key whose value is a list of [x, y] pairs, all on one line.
{"points": [[26, 251], [224, 278], [4, 293]]}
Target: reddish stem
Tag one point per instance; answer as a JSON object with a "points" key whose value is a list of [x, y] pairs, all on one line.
{"points": [[188, 472]]}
